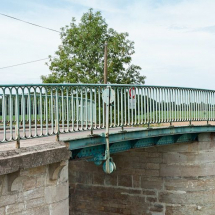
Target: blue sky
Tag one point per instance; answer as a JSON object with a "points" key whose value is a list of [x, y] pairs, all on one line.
{"points": [[174, 40]]}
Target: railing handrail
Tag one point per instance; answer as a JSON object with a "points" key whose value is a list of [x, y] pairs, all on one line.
{"points": [[101, 85]]}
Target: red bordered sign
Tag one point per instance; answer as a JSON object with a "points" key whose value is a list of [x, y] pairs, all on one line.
{"points": [[132, 92]]}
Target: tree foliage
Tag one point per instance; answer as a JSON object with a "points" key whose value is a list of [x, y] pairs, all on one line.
{"points": [[80, 57]]}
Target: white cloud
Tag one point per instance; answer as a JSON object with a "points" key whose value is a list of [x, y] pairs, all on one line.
{"points": [[174, 43]]}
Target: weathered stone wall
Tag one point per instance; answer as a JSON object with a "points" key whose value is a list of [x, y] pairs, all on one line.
{"points": [[34, 181], [175, 179]]}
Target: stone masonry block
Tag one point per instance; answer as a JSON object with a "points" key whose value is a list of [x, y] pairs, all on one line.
{"points": [[42, 210], [34, 194], [205, 137], [29, 183], [152, 172], [125, 180], [202, 197], [187, 157], [32, 203], [187, 170], [14, 208], [190, 184], [190, 209], [56, 193], [7, 200], [33, 171], [151, 182], [61, 207], [111, 180], [98, 178], [152, 166], [2, 210]]}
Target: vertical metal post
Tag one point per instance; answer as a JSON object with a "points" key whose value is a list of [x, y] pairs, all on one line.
{"points": [[105, 64], [17, 121], [57, 116], [107, 151], [105, 72]]}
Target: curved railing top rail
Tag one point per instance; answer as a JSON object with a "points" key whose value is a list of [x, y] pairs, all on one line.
{"points": [[101, 85]]}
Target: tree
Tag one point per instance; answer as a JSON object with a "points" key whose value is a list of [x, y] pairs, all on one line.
{"points": [[80, 58]]}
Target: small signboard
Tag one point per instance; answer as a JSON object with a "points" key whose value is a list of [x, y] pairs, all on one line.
{"points": [[132, 93], [132, 103], [105, 95]]}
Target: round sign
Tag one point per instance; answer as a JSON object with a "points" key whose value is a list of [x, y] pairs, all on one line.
{"points": [[105, 95], [132, 92]]}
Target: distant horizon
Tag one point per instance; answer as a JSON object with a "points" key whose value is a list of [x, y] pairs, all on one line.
{"points": [[174, 41]]}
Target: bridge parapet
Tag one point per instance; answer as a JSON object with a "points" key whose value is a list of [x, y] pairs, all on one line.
{"points": [[34, 180], [31, 111]]}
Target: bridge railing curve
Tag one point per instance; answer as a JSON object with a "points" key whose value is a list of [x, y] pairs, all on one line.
{"points": [[30, 111]]}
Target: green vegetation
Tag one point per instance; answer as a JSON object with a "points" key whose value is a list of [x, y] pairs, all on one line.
{"points": [[80, 58]]}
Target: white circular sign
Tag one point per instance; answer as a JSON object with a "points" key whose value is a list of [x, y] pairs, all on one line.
{"points": [[105, 95]]}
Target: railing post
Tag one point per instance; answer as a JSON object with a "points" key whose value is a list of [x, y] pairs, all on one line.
{"points": [[17, 121], [108, 97], [57, 116], [107, 151]]}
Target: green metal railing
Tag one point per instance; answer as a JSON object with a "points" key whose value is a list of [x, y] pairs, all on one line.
{"points": [[30, 111]]}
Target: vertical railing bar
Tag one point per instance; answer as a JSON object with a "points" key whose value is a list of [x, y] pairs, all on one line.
{"points": [[11, 115], [67, 109], [86, 101], [118, 107], [4, 113], [162, 104], [17, 120], [147, 110], [132, 110], [176, 102], [46, 112], [122, 107], [99, 98], [81, 109], [95, 108], [62, 112], [129, 108], [153, 105], [114, 108], [125, 106], [57, 129], [41, 113], [77, 110], [52, 112], [35, 113], [135, 110], [141, 99], [73, 117], [23, 114], [91, 110], [138, 106]]}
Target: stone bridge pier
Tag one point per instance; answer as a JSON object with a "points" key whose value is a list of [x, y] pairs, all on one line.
{"points": [[177, 179]]}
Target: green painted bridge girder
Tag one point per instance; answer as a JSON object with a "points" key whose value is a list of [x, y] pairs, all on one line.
{"points": [[94, 146]]}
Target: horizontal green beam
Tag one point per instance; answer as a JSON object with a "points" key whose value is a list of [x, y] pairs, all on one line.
{"points": [[91, 141]]}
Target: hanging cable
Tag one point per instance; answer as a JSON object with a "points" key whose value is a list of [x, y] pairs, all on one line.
{"points": [[23, 63], [29, 23]]}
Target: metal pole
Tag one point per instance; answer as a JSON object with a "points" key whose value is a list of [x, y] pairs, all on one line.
{"points": [[105, 64], [105, 74], [107, 152]]}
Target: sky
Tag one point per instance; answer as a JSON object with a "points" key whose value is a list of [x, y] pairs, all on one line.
{"points": [[174, 39]]}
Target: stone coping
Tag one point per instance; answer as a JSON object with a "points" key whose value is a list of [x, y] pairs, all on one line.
{"points": [[32, 156]]}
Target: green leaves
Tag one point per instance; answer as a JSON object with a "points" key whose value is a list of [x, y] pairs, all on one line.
{"points": [[80, 58]]}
